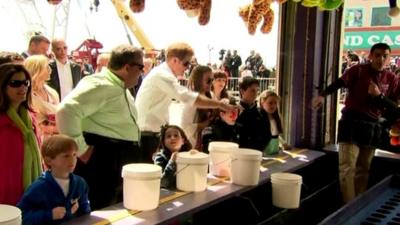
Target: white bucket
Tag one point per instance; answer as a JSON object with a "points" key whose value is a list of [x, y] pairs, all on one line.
{"points": [[246, 166], [191, 172], [286, 188], [220, 157], [10, 215], [141, 186]]}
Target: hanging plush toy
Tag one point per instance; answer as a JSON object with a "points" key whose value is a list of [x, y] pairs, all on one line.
{"points": [[200, 8], [54, 2], [136, 5], [394, 9], [253, 14]]}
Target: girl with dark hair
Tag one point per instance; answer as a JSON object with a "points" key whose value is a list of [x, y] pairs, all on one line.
{"points": [[173, 140], [20, 162], [269, 111], [218, 88]]}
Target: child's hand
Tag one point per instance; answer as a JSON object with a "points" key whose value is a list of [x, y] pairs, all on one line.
{"points": [[75, 206], [58, 213]]}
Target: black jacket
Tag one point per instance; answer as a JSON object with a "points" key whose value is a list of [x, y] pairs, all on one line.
{"points": [[219, 131], [254, 129], [54, 81]]}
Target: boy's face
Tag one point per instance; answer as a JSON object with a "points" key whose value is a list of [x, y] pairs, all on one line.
{"points": [[229, 117], [250, 94], [379, 59], [63, 164]]}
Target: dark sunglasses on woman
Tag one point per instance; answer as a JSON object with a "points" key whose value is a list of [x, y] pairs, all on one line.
{"points": [[19, 83]]}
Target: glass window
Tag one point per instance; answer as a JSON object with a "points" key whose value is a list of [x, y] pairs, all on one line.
{"points": [[380, 17], [354, 18]]}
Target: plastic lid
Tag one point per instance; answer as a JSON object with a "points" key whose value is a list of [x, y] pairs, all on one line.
{"points": [[192, 157], [286, 176], [222, 146], [9, 213], [246, 153], [141, 170]]}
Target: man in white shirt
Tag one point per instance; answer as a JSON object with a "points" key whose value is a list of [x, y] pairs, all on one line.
{"points": [[65, 74], [157, 91]]}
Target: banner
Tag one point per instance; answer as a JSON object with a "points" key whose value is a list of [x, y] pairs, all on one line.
{"points": [[365, 39]]}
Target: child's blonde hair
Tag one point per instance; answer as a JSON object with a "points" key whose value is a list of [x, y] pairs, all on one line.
{"points": [[263, 97], [266, 94], [57, 144]]}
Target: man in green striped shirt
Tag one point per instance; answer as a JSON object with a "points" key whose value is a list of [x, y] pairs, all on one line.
{"points": [[101, 116]]}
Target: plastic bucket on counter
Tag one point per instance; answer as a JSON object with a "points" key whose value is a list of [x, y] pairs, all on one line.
{"points": [[246, 166], [191, 172], [220, 157], [286, 188], [10, 215], [141, 186]]}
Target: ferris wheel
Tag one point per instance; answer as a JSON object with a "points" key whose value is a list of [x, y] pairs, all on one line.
{"points": [[50, 18]]}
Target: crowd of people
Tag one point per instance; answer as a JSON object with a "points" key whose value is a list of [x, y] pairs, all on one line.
{"points": [[63, 131], [253, 66], [64, 128]]}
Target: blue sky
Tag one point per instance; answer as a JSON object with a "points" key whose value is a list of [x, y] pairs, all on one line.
{"points": [[162, 21]]}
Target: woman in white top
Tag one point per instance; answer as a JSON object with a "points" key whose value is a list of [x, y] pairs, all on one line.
{"points": [[44, 99], [194, 120]]}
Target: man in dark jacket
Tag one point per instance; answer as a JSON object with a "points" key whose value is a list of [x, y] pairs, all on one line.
{"points": [[236, 62], [65, 74]]}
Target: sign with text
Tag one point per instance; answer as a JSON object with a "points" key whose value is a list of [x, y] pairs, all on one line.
{"points": [[365, 39]]}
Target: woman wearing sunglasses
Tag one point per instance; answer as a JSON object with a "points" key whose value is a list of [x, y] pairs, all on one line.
{"points": [[20, 162], [193, 119], [44, 98]]}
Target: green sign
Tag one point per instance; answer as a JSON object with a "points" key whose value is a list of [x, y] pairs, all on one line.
{"points": [[365, 39]]}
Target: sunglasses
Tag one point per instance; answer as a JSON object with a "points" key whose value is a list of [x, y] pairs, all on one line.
{"points": [[140, 66], [19, 83], [186, 64]]}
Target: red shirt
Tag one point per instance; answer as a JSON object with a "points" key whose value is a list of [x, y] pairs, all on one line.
{"points": [[357, 79], [11, 160]]}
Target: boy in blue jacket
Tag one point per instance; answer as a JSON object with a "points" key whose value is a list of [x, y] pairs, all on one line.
{"points": [[58, 195]]}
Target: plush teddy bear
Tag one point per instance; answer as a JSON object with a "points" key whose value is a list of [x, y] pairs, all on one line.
{"points": [[252, 14], [200, 8], [394, 9], [136, 5]]}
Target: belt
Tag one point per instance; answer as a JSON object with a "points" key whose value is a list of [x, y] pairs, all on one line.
{"points": [[91, 139], [150, 133]]}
